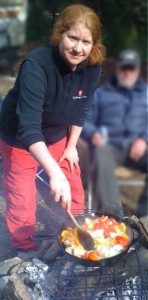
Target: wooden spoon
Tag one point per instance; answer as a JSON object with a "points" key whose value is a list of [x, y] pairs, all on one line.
{"points": [[84, 236]]}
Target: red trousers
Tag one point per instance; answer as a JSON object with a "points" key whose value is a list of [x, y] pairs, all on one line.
{"points": [[19, 172]]}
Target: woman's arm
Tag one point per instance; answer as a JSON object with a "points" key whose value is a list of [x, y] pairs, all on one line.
{"points": [[70, 153], [58, 182], [74, 134]]}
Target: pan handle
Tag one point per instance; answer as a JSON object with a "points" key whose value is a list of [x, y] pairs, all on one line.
{"points": [[38, 237], [137, 237], [142, 231]]}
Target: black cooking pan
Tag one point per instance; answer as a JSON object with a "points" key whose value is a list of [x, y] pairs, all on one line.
{"points": [[102, 262]]}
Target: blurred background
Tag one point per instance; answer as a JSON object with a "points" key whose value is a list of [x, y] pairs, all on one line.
{"points": [[25, 24]]}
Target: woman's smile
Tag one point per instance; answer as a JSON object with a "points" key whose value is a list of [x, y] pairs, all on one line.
{"points": [[76, 45]]}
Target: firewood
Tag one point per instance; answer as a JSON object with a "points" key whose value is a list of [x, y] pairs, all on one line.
{"points": [[15, 289]]}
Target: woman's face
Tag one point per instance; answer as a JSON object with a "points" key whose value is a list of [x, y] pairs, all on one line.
{"points": [[76, 45]]}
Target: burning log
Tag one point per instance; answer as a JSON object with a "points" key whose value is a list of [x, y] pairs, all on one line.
{"points": [[15, 289], [25, 282]]}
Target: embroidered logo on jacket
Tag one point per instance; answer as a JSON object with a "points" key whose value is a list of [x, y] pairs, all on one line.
{"points": [[79, 95]]}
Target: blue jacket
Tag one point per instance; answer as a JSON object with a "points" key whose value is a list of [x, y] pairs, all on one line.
{"points": [[0, 104], [123, 111]]}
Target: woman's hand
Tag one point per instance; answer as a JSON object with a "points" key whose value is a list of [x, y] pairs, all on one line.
{"points": [[71, 155], [60, 188]]}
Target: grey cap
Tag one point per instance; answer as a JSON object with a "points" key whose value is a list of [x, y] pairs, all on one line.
{"points": [[128, 58]]}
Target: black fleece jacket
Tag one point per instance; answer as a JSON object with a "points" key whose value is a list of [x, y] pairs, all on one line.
{"points": [[46, 99]]}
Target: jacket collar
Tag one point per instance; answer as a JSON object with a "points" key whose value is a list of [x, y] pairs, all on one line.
{"points": [[62, 64], [112, 84]]}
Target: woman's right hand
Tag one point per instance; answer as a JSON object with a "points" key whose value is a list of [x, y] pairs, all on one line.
{"points": [[59, 184], [60, 188]]}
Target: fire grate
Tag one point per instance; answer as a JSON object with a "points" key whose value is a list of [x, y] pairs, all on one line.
{"points": [[120, 282], [125, 280]]}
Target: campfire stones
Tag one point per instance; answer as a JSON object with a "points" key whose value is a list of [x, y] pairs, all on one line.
{"points": [[3, 281], [38, 263], [36, 274], [20, 267], [6, 265], [24, 281], [39, 274], [15, 289]]}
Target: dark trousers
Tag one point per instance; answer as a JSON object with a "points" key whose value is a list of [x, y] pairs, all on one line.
{"points": [[104, 160]]}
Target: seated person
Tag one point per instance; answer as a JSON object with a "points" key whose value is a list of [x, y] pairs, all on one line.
{"points": [[117, 129], [0, 111], [0, 103]]}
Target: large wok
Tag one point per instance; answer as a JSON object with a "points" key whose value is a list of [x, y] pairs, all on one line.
{"points": [[102, 262]]}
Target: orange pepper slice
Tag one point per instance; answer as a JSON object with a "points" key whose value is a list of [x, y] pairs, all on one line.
{"points": [[124, 242], [93, 255]]}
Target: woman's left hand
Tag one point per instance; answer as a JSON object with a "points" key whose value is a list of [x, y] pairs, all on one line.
{"points": [[71, 155]]}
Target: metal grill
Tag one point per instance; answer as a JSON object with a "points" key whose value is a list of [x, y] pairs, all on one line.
{"points": [[119, 282]]}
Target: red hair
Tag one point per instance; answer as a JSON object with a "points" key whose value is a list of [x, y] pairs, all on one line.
{"points": [[79, 13]]}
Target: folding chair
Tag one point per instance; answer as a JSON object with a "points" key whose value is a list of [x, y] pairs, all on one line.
{"points": [[38, 175], [121, 182]]}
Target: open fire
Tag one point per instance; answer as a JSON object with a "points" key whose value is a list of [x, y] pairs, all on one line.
{"points": [[64, 279]]}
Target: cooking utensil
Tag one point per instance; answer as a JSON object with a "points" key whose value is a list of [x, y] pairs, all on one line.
{"points": [[84, 236]]}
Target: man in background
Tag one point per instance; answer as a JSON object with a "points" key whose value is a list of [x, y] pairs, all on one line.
{"points": [[0, 103], [117, 130], [0, 112]]}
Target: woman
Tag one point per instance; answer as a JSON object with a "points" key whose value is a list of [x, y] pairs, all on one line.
{"points": [[42, 118]]}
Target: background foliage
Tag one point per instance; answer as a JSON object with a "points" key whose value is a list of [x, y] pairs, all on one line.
{"points": [[124, 22]]}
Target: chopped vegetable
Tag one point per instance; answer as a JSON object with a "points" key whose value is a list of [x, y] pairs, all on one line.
{"points": [[109, 235], [122, 241], [93, 255]]}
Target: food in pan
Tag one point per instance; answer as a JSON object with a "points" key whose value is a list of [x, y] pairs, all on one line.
{"points": [[109, 235]]}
